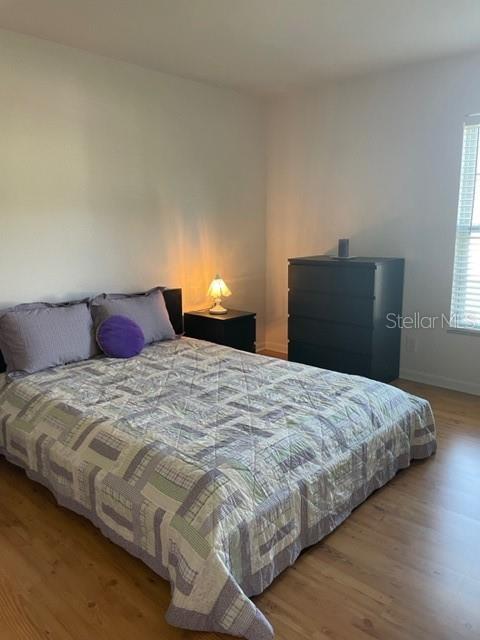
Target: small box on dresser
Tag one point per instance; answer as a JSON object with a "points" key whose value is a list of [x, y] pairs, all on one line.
{"points": [[235, 329], [339, 314]]}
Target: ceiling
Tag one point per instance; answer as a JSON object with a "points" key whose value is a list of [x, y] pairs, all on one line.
{"points": [[263, 46]]}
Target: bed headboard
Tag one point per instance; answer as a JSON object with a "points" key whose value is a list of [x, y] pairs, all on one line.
{"points": [[173, 301]]}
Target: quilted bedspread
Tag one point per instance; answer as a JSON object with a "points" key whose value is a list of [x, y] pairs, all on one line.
{"points": [[214, 466]]}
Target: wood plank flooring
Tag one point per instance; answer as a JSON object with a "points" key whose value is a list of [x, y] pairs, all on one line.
{"points": [[405, 565]]}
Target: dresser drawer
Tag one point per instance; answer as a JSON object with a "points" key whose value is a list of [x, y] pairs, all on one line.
{"points": [[331, 308], [332, 279], [327, 334], [342, 361]]}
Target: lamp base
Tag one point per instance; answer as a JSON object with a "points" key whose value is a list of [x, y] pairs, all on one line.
{"points": [[217, 309]]}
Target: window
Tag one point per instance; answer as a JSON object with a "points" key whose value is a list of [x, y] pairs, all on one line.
{"points": [[465, 311]]}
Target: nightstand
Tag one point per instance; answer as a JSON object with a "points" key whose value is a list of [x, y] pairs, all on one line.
{"points": [[235, 329]]}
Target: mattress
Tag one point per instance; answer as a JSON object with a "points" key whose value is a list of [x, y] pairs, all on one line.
{"points": [[214, 466]]}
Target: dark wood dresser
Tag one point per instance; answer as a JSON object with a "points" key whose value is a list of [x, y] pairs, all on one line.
{"points": [[338, 314]]}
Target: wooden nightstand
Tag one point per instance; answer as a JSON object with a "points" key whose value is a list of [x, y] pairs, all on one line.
{"points": [[235, 329]]}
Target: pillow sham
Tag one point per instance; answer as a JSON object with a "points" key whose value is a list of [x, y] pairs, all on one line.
{"points": [[120, 337], [147, 309], [41, 335]]}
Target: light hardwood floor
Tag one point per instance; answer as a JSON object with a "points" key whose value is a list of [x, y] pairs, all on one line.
{"points": [[405, 565]]}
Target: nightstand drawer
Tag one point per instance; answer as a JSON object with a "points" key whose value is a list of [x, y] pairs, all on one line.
{"points": [[235, 329]]}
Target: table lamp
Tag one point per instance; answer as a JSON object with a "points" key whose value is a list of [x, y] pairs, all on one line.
{"points": [[218, 290]]}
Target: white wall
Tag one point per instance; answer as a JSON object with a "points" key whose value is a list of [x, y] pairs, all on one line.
{"points": [[377, 159], [113, 177]]}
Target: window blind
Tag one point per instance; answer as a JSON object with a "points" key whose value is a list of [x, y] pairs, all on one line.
{"points": [[465, 310]]}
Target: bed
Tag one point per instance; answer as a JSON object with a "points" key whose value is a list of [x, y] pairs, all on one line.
{"points": [[214, 466]]}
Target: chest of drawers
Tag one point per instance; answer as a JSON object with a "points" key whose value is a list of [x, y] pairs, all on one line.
{"points": [[341, 314]]}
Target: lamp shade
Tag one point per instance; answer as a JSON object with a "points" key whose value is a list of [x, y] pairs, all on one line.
{"points": [[218, 288]]}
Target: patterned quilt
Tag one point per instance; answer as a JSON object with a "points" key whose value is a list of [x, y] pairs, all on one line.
{"points": [[214, 466]]}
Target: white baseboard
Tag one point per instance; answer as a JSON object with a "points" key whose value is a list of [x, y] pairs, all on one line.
{"points": [[275, 346], [440, 381]]}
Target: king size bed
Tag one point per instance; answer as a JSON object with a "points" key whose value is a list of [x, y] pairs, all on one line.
{"points": [[214, 466]]}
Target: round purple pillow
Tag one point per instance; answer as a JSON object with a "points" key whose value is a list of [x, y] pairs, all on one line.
{"points": [[120, 337]]}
